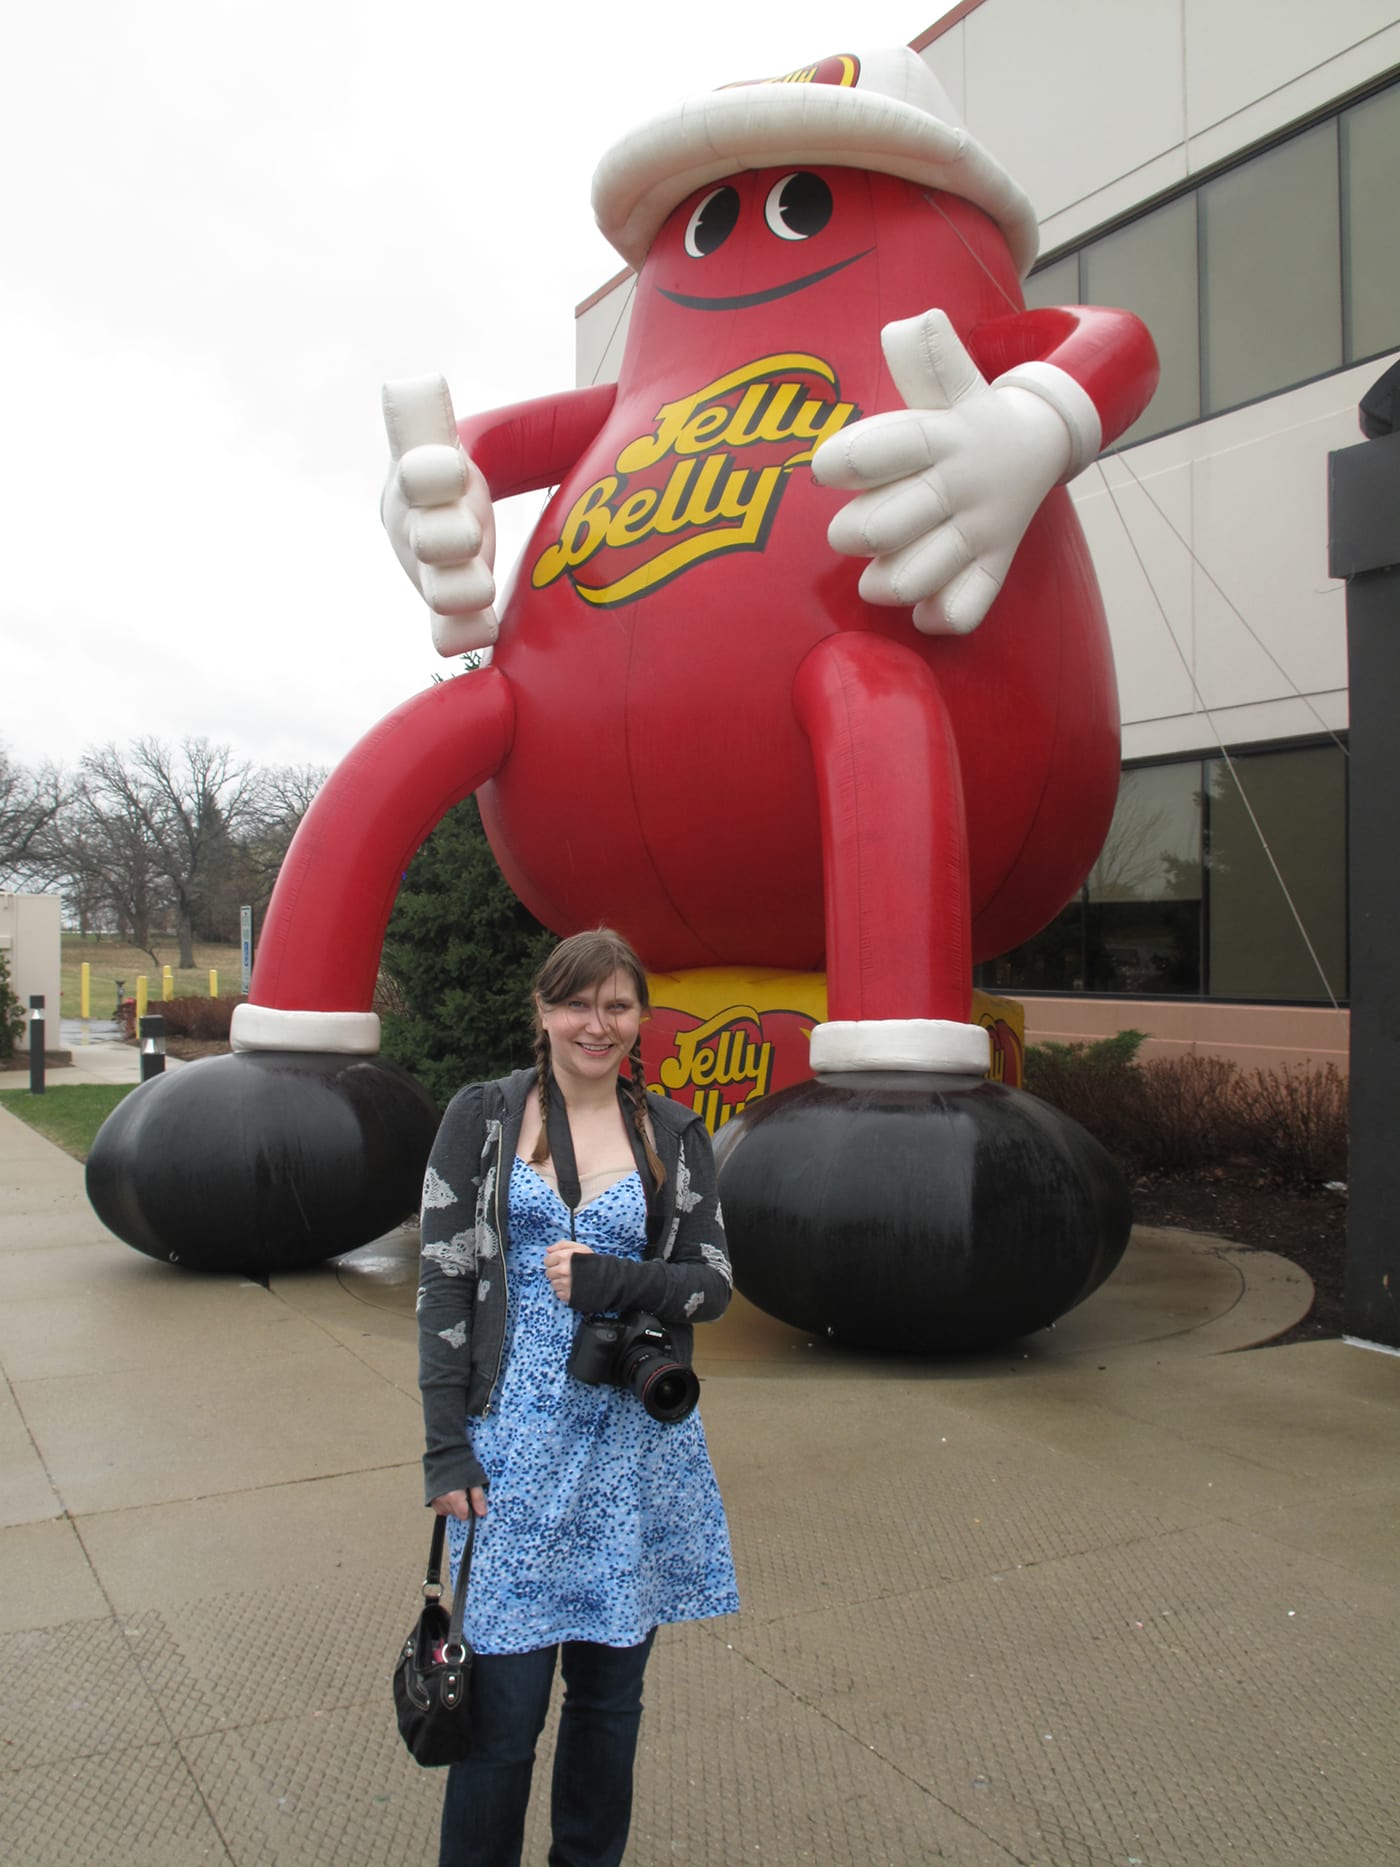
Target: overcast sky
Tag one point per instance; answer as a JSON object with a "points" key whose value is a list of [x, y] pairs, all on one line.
{"points": [[223, 225]]}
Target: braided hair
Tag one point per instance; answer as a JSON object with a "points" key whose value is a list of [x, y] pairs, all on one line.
{"points": [[585, 960]]}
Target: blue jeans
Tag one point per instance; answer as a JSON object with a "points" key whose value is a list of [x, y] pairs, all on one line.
{"points": [[483, 1813]]}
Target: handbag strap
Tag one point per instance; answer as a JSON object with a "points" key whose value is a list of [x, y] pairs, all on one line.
{"points": [[459, 1593], [432, 1581]]}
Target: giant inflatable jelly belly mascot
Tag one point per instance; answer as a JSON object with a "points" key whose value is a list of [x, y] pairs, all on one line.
{"points": [[805, 664]]}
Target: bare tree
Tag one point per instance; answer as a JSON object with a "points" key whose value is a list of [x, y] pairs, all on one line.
{"points": [[192, 809], [31, 803], [288, 792], [106, 866]]}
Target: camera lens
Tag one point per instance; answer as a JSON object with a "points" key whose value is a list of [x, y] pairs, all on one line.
{"points": [[667, 1390]]}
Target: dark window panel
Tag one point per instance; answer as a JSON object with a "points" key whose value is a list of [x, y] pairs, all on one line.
{"points": [[1271, 300], [1371, 193], [1056, 284], [1149, 267], [1256, 949]]}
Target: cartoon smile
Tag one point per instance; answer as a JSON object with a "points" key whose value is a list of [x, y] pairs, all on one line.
{"points": [[743, 301]]}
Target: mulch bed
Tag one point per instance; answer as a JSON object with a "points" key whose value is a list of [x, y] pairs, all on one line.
{"points": [[1304, 1224], [191, 1049]]}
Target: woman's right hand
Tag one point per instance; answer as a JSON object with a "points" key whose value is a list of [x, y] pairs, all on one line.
{"points": [[461, 1503]]}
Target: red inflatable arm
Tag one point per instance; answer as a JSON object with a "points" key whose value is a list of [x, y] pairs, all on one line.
{"points": [[529, 445], [320, 944], [1108, 353]]}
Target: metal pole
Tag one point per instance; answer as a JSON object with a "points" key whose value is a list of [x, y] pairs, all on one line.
{"points": [[36, 1044], [1365, 549], [152, 1046]]}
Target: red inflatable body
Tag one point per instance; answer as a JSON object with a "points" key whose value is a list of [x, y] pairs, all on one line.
{"points": [[694, 727]]}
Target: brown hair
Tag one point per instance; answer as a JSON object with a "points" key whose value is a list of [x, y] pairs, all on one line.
{"points": [[585, 960]]}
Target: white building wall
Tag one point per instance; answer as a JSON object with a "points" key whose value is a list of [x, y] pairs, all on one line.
{"points": [[1097, 106], [31, 940], [600, 331], [1226, 629]]}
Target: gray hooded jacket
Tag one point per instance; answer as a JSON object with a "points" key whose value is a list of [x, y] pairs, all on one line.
{"points": [[462, 1279]]}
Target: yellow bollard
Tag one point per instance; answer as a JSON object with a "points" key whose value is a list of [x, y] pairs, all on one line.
{"points": [[85, 992], [143, 992], [213, 982], [167, 984]]}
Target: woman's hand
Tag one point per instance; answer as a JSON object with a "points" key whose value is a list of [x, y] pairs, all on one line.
{"points": [[461, 1503], [558, 1266]]}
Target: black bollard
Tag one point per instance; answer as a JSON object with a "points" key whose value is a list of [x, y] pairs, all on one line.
{"points": [[152, 1047], [36, 1044]]}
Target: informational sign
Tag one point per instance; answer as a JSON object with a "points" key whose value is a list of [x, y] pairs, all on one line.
{"points": [[245, 928]]}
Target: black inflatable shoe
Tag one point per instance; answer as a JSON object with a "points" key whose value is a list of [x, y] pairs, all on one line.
{"points": [[262, 1161], [917, 1213]]}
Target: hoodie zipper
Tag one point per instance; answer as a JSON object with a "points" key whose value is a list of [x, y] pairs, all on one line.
{"points": [[505, 1284]]}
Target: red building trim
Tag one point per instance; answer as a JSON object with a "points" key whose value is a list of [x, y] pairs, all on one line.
{"points": [[946, 24]]}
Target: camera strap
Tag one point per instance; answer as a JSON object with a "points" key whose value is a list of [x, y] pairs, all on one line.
{"points": [[561, 1152]]}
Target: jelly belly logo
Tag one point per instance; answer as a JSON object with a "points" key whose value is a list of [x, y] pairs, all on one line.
{"points": [[718, 1065], [708, 478], [1008, 1059], [842, 68]]}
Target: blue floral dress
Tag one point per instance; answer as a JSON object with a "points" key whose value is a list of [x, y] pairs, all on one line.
{"points": [[603, 1522]]}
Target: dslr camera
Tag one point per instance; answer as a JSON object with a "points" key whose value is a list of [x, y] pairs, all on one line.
{"points": [[635, 1352]]}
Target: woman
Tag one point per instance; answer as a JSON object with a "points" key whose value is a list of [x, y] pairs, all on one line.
{"points": [[555, 1194]]}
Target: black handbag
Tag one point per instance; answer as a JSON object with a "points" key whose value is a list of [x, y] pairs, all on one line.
{"points": [[432, 1678]]}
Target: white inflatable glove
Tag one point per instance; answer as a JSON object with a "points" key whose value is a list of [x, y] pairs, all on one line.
{"points": [[437, 511], [956, 477]]}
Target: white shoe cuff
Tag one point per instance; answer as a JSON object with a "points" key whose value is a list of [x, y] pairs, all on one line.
{"points": [[346, 1033], [901, 1044]]}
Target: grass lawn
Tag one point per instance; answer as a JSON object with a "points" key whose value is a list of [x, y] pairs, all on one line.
{"points": [[69, 1115], [110, 960]]}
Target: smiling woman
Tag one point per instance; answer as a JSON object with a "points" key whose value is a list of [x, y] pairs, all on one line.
{"points": [[556, 1194]]}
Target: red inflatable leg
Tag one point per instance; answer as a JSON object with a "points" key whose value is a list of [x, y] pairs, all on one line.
{"points": [[894, 832], [325, 925]]}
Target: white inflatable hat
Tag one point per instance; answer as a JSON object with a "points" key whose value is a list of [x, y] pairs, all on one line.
{"points": [[874, 110]]}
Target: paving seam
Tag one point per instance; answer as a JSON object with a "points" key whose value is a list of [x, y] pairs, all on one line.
{"points": [[1247, 1526], [61, 1509], [119, 1624], [409, 1392], [1178, 1429], [852, 1737], [243, 1491], [1047, 1564]]}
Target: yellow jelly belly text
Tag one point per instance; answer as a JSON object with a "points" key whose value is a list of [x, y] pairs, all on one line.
{"points": [[708, 478], [721, 1066]]}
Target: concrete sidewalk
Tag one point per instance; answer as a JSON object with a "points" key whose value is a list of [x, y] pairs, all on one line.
{"points": [[1115, 1595]]}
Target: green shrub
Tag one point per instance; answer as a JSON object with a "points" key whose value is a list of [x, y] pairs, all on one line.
{"points": [[1177, 1114], [207, 1018], [1295, 1122], [12, 1013], [1184, 1114], [1099, 1084]]}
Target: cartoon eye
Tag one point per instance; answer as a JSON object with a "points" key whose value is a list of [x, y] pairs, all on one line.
{"points": [[798, 206], [712, 222]]}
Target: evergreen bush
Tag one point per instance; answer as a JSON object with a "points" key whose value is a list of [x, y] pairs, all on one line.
{"points": [[459, 959], [12, 1013]]}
